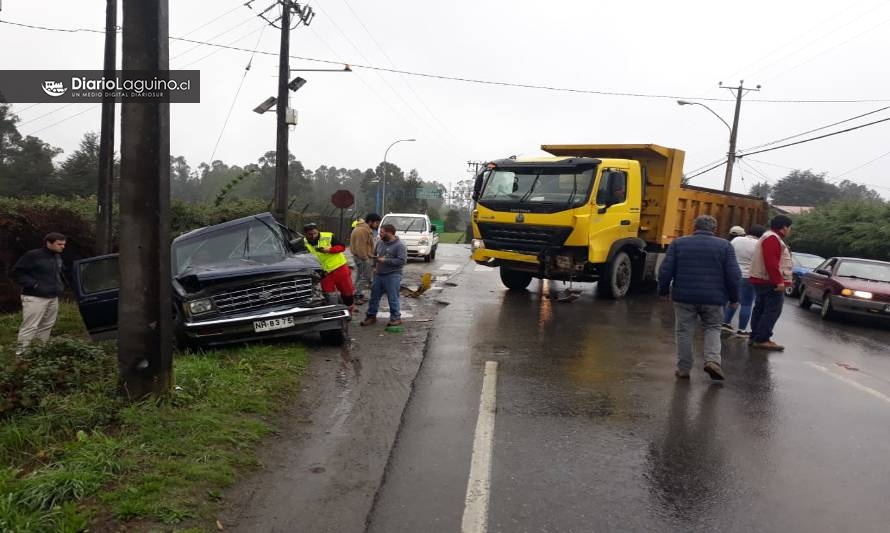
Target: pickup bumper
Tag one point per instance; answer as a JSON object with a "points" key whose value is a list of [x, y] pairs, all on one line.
{"points": [[240, 328], [856, 306], [419, 251]]}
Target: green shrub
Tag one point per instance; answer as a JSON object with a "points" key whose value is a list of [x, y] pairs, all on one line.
{"points": [[58, 365]]}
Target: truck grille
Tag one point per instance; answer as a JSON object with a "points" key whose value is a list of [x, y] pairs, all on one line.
{"points": [[522, 237], [264, 295]]}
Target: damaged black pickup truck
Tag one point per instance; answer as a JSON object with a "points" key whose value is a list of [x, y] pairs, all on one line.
{"points": [[243, 280]]}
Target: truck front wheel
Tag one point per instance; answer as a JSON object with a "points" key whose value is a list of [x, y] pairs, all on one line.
{"points": [[616, 277], [514, 279]]}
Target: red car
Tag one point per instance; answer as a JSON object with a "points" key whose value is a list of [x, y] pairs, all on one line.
{"points": [[846, 285]]}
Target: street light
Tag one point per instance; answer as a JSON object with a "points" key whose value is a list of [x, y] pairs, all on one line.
{"points": [[687, 102], [382, 210]]}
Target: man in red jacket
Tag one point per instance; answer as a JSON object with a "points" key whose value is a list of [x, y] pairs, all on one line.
{"points": [[771, 267]]}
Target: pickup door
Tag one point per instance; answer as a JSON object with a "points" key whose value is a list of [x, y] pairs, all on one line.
{"points": [[96, 284]]}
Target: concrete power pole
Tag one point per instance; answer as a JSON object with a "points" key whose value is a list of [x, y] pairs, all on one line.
{"points": [[145, 322], [739, 92], [105, 194]]}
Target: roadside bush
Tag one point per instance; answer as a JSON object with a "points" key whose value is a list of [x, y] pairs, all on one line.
{"points": [[845, 229], [59, 365]]}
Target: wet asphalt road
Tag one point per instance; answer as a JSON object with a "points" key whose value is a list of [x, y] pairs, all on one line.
{"points": [[594, 433]]}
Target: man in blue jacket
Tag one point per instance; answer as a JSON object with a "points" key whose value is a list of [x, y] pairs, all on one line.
{"points": [[701, 274]]}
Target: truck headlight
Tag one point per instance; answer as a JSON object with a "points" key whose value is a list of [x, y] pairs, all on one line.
{"points": [[478, 244], [858, 294], [200, 306], [424, 241]]}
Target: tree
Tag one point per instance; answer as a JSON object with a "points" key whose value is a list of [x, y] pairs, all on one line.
{"points": [[854, 229], [9, 134], [79, 174], [29, 169], [452, 220], [761, 190], [184, 184], [854, 192], [804, 188]]}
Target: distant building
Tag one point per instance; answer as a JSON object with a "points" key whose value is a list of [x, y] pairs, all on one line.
{"points": [[792, 209]]}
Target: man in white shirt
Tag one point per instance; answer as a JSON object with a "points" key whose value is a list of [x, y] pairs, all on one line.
{"points": [[744, 250]]}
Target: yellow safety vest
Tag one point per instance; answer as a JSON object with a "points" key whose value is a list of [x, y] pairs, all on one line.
{"points": [[329, 262]]}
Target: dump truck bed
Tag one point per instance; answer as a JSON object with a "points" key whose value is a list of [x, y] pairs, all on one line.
{"points": [[669, 207]]}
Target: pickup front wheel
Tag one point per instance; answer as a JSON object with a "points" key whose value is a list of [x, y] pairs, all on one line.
{"points": [[514, 279], [616, 277]]}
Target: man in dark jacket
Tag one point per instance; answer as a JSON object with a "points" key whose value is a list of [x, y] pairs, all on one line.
{"points": [[705, 275], [390, 256], [40, 274]]}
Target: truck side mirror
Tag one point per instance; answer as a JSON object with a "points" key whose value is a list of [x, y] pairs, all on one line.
{"points": [[433, 228]]}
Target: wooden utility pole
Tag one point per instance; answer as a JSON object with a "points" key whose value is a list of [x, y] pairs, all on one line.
{"points": [[739, 91], [105, 194], [281, 149], [145, 320]]}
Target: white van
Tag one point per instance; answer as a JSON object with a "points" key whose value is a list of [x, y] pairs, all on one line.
{"points": [[415, 230]]}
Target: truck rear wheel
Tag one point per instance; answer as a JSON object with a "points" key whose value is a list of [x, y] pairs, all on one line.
{"points": [[616, 277], [514, 279]]}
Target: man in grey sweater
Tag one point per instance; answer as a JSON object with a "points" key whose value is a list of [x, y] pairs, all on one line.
{"points": [[390, 256]]}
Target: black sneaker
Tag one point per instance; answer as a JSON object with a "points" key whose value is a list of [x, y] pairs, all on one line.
{"points": [[727, 327], [742, 333]]}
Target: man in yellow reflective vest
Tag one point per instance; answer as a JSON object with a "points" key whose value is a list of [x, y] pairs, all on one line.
{"points": [[329, 251]]}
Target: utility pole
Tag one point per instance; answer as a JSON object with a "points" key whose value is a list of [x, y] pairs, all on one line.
{"points": [[739, 92], [145, 322], [105, 194], [304, 15]]}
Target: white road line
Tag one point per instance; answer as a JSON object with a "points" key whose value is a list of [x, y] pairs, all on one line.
{"points": [[475, 518], [449, 266], [851, 382]]}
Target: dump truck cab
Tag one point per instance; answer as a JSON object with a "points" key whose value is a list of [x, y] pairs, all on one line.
{"points": [[592, 213]]}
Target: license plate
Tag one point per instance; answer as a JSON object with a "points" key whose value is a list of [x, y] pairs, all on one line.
{"points": [[273, 324]]}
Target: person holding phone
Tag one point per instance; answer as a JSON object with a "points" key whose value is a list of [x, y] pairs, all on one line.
{"points": [[390, 256]]}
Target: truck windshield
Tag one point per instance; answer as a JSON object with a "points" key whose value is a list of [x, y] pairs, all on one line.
{"points": [[538, 185], [253, 241]]}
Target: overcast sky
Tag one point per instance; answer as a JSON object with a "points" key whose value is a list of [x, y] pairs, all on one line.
{"points": [[797, 50]]}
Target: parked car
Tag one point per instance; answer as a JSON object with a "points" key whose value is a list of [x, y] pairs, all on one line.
{"points": [[803, 263], [420, 236], [243, 280], [846, 285]]}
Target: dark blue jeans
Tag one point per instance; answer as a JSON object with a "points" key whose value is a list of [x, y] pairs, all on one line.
{"points": [[388, 284], [746, 300], [767, 309]]}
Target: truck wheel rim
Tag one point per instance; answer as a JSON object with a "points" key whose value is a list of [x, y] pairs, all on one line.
{"points": [[622, 275]]}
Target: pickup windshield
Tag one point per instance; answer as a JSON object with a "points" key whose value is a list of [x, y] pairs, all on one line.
{"points": [[252, 241], [406, 223], [538, 185]]}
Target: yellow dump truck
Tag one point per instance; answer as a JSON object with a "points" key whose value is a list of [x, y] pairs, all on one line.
{"points": [[593, 212]]}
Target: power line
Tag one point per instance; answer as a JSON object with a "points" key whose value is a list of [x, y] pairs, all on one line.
{"points": [[817, 129], [815, 138], [688, 177], [65, 119], [844, 174], [235, 99], [392, 64], [505, 83], [209, 22]]}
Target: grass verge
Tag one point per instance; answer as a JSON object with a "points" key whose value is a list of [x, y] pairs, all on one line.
{"points": [[452, 237], [81, 458]]}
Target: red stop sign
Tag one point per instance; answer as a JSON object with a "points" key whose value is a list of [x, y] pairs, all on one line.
{"points": [[342, 199]]}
